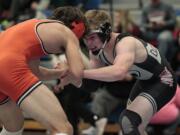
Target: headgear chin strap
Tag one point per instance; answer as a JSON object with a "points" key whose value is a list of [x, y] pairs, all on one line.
{"points": [[102, 48], [78, 28]]}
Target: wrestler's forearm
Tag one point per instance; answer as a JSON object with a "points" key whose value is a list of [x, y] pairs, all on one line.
{"points": [[50, 74], [86, 61], [108, 74]]}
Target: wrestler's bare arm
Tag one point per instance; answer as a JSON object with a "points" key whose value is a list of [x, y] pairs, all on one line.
{"points": [[45, 73], [125, 51], [59, 39], [96, 63], [86, 60], [73, 55], [70, 44]]}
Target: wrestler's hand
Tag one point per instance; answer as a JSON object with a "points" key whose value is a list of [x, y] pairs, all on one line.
{"points": [[63, 66], [65, 81], [69, 79], [56, 89]]}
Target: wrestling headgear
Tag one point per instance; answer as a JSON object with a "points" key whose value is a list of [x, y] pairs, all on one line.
{"points": [[104, 33], [78, 28], [73, 18]]}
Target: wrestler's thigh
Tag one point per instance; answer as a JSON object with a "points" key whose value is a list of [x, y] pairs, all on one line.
{"points": [[11, 116], [42, 105]]}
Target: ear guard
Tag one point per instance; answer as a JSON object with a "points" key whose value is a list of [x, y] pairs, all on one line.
{"points": [[104, 31], [78, 28]]}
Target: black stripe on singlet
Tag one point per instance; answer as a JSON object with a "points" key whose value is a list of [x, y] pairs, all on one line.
{"points": [[118, 38], [50, 21], [121, 36], [106, 60]]}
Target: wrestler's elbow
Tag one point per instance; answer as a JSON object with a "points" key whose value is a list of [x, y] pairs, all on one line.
{"points": [[120, 74], [77, 77], [117, 77], [78, 74], [42, 77]]}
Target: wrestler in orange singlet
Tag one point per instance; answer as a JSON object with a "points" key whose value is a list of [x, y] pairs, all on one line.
{"points": [[21, 47]]}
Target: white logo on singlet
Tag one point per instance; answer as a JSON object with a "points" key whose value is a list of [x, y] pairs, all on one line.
{"points": [[140, 73], [166, 77], [153, 52]]}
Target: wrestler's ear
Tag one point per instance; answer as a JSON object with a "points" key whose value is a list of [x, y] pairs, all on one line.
{"points": [[78, 28]]}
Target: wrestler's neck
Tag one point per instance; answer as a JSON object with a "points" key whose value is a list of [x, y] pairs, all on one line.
{"points": [[112, 40]]}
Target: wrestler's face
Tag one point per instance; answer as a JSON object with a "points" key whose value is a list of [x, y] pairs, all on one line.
{"points": [[93, 42]]}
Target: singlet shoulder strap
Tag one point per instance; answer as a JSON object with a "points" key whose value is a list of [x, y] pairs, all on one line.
{"points": [[118, 38], [121, 36], [43, 21]]}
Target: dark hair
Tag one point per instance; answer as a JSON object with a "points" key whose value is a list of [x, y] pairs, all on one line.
{"points": [[68, 15]]}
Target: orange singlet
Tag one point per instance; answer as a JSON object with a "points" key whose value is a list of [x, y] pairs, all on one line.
{"points": [[18, 45]]}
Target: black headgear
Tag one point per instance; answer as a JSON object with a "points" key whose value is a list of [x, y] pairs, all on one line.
{"points": [[104, 31]]}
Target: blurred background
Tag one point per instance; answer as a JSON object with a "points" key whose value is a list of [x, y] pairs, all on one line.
{"points": [[94, 109]]}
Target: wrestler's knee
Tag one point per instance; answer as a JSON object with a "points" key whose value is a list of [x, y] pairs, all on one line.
{"points": [[6, 132], [129, 122], [62, 127]]}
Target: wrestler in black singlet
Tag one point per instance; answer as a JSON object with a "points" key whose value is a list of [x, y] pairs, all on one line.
{"points": [[155, 78]]}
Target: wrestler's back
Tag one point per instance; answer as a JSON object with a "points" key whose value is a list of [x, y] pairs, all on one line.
{"points": [[21, 40]]}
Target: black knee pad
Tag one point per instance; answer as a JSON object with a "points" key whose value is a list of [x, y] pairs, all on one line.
{"points": [[129, 122]]}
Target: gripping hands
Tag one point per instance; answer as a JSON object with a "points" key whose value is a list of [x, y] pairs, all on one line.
{"points": [[66, 77]]}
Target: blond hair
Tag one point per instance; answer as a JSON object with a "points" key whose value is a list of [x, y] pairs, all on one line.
{"points": [[96, 18]]}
